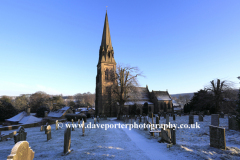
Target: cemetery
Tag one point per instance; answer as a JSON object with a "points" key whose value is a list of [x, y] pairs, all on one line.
{"points": [[137, 143]]}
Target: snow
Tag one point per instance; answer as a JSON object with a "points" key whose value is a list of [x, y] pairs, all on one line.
{"points": [[164, 98], [122, 143], [29, 120], [58, 113], [18, 117], [137, 102]]}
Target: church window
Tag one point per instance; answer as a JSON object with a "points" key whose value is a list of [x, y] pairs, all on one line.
{"points": [[107, 74]]}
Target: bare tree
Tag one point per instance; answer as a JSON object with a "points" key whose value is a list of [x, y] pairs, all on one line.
{"points": [[125, 85]]}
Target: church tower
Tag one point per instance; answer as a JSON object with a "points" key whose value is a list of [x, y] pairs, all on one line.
{"points": [[105, 70]]}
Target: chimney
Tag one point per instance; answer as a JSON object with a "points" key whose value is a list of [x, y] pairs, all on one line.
{"points": [[28, 111]]}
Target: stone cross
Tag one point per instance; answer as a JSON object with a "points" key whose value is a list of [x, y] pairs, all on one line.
{"points": [[191, 119], [21, 151], [72, 126], [56, 124], [215, 119], [21, 135], [48, 132], [167, 119], [200, 118], [217, 137], [67, 141], [83, 128]]}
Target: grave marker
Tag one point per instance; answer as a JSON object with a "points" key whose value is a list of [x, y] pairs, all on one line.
{"points": [[215, 119], [217, 137], [21, 151], [200, 118], [174, 117], [232, 123], [167, 119], [48, 132], [41, 128], [83, 128], [191, 119], [72, 126], [21, 135], [67, 141], [56, 124], [78, 123]]}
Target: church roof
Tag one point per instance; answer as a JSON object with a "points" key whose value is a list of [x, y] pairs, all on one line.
{"points": [[162, 95], [106, 38]]}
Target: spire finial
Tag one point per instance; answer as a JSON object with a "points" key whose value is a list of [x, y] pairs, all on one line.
{"points": [[106, 8]]}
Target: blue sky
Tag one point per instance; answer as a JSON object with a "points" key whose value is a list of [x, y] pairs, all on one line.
{"points": [[53, 46]]}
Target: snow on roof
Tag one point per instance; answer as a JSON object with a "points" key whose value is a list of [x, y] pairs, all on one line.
{"points": [[29, 120], [58, 113], [162, 95], [175, 103], [65, 108], [137, 102], [18, 117]]}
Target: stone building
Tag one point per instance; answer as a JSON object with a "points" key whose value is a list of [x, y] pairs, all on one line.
{"points": [[105, 69], [156, 101], [162, 101]]}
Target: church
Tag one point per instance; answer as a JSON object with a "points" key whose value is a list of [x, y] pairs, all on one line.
{"points": [[156, 101]]}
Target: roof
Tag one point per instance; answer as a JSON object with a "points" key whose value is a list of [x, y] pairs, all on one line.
{"points": [[58, 113], [106, 38], [162, 95], [141, 94], [130, 103], [30, 119], [24, 118], [18, 117], [175, 103]]}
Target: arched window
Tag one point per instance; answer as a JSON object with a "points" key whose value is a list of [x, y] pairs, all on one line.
{"points": [[107, 74]]}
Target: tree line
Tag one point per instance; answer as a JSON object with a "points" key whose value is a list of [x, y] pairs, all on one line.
{"points": [[41, 101]]}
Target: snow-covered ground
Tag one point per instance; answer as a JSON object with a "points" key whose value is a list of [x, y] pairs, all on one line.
{"points": [[129, 144]]}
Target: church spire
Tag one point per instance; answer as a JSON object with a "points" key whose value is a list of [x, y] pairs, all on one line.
{"points": [[106, 38]]}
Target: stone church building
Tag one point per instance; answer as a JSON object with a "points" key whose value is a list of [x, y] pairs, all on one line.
{"points": [[157, 101]]}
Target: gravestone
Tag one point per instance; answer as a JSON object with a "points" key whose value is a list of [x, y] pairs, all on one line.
{"points": [[217, 137], [48, 132], [21, 135], [232, 123], [157, 120], [21, 151], [191, 119], [166, 135], [174, 117], [67, 141], [95, 121], [45, 113], [45, 127], [98, 119], [221, 115], [72, 125], [41, 128], [56, 124], [215, 119], [208, 113], [164, 114], [200, 118], [167, 119], [78, 123], [83, 128]]}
